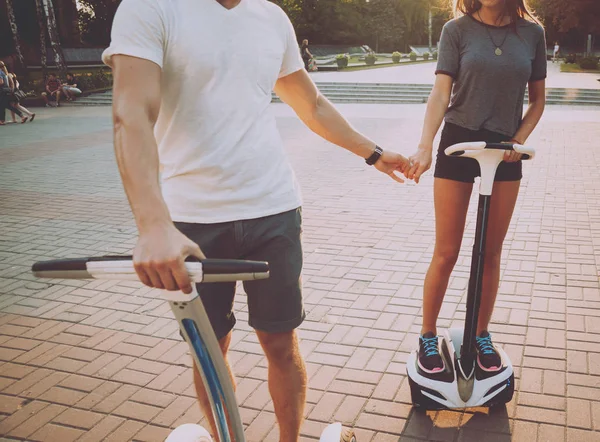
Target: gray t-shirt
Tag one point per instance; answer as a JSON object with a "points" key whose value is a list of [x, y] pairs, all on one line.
{"points": [[489, 89]]}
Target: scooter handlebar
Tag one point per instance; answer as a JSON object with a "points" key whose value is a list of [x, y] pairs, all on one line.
{"points": [[122, 268], [459, 149]]}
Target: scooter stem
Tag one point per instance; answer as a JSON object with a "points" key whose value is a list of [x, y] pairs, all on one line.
{"points": [[467, 350]]}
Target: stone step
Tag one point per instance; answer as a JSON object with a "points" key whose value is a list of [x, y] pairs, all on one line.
{"points": [[394, 93]]}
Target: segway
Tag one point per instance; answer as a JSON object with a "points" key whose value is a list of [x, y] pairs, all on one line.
{"points": [[462, 383], [195, 329]]}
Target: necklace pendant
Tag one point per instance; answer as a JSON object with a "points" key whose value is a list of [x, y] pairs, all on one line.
{"points": [[498, 51]]}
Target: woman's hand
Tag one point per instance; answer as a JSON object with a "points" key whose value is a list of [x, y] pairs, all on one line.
{"points": [[511, 156], [419, 163]]}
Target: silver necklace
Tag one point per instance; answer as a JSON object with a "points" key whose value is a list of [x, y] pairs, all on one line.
{"points": [[498, 50]]}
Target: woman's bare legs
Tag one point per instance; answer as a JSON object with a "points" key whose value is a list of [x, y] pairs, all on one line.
{"points": [[451, 204], [504, 198], [451, 200]]}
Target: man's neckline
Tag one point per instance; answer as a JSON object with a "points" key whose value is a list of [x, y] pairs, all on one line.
{"points": [[226, 8]]}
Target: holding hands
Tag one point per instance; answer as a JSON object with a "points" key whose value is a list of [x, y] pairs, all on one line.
{"points": [[419, 163], [412, 167]]}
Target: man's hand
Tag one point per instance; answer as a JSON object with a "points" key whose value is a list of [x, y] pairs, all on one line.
{"points": [[159, 258], [391, 162], [419, 163]]}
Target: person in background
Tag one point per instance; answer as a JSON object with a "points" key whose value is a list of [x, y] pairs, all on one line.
{"points": [[6, 94], [53, 90], [556, 51], [306, 55], [71, 87], [18, 96]]}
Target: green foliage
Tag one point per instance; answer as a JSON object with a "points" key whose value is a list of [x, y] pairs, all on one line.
{"points": [[384, 25], [95, 20], [571, 58], [342, 60], [396, 56], [426, 56], [434, 56], [588, 63], [412, 56], [370, 59]]}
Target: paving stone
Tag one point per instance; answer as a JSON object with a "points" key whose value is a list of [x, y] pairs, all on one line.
{"points": [[102, 360]]}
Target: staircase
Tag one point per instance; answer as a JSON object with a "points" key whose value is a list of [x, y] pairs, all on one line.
{"points": [[381, 93]]}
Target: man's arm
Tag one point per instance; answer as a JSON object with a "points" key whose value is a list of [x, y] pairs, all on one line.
{"points": [[161, 250], [302, 95]]}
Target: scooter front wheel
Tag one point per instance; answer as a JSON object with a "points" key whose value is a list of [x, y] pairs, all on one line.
{"points": [[337, 433]]}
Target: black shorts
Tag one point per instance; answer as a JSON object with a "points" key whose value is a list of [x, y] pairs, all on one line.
{"points": [[467, 169], [274, 304]]}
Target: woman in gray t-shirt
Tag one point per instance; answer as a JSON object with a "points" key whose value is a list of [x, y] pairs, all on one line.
{"points": [[488, 55]]}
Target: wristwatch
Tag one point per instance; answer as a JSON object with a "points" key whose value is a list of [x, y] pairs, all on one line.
{"points": [[375, 156]]}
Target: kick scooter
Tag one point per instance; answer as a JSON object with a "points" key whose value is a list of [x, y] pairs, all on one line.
{"points": [[195, 328], [463, 384]]}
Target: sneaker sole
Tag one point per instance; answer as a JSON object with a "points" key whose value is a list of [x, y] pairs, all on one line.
{"points": [[433, 371], [488, 370]]}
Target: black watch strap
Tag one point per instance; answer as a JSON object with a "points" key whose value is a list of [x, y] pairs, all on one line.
{"points": [[373, 158]]}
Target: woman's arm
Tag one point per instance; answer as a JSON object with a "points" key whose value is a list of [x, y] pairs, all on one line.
{"points": [[535, 109], [437, 104]]}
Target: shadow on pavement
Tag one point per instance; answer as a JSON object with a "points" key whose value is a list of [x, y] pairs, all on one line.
{"points": [[472, 425]]}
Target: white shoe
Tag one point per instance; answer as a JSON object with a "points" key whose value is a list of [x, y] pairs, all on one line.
{"points": [[189, 433]]}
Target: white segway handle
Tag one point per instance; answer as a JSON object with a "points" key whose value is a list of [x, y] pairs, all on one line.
{"points": [[122, 268], [472, 148]]}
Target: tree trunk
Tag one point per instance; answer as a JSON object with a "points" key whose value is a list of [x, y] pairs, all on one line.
{"points": [[40, 17], [15, 33], [67, 21], [75, 32], [59, 59]]}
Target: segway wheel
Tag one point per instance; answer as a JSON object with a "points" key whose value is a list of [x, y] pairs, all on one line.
{"points": [[420, 401], [347, 435]]}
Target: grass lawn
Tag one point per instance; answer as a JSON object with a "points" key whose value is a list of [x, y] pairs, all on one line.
{"points": [[574, 68]]}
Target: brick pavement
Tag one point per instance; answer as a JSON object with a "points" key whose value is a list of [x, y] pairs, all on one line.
{"points": [[101, 360]]}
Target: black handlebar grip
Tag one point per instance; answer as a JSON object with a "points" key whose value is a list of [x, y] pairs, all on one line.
{"points": [[232, 266], [76, 268]]}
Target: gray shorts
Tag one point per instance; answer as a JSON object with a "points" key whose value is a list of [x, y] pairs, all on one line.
{"points": [[274, 304]]}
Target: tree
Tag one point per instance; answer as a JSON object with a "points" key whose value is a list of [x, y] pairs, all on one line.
{"points": [[569, 22], [386, 23], [40, 17], [95, 19], [12, 22], [572, 14], [59, 59]]}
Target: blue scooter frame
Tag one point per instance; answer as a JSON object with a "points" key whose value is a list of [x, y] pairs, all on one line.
{"points": [[194, 325]]}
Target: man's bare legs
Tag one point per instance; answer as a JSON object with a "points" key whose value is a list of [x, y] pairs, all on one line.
{"points": [[287, 382]]}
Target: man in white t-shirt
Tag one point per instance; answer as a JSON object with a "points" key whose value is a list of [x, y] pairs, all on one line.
{"points": [[192, 93]]}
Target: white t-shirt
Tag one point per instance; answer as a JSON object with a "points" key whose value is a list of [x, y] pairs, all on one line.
{"points": [[221, 154]]}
